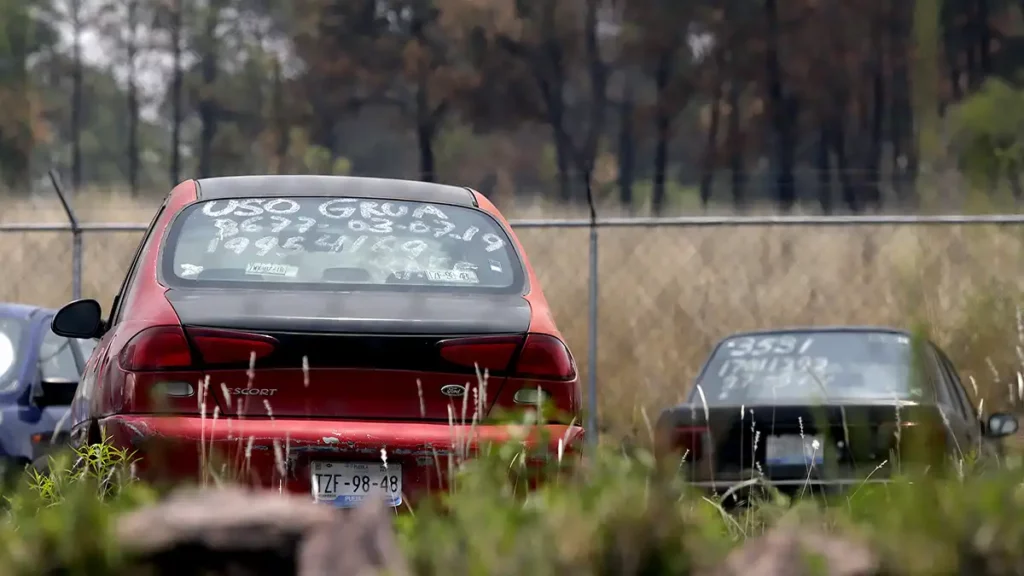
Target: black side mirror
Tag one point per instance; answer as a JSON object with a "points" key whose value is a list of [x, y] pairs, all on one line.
{"points": [[54, 392], [79, 319], [1001, 424]]}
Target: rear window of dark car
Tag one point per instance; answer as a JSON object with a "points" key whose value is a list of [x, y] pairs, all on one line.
{"points": [[812, 367], [327, 243]]}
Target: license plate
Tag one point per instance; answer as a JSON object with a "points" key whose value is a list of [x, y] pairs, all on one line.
{"points": [[794, 451], [348, 484], [457, 276]]}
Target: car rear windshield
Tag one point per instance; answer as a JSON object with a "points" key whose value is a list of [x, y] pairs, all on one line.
{"points": [[812, 367], [321, 243]]}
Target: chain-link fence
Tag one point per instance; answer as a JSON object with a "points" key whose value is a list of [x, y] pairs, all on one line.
{"points": [[668, 289]]}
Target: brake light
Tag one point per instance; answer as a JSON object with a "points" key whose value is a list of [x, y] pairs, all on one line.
{"points": [[924, 441], [542, 356], [545, 356], [492, 354], [157, 348], [684, 442], [230, 347]]}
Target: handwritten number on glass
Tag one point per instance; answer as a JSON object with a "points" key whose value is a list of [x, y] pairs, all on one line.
{"points": [[751, 346]]}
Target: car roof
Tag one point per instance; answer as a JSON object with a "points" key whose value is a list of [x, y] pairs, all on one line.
{"points": [[270, 186], [22, 311], [820, 329]]}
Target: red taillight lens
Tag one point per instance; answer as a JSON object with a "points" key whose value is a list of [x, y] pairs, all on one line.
{"points": [[493, 354], [157, 348], [542, 356], [683, 440], [229, 347], [545, 356]]}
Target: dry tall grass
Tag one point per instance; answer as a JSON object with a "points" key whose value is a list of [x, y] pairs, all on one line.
{"points": [[667, 294]]}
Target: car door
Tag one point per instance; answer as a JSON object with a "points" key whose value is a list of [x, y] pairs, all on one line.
{"points": [[88, 391], [962, 414]]}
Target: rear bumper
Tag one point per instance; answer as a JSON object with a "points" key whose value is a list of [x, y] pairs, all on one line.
{"points": [[278, 453]]}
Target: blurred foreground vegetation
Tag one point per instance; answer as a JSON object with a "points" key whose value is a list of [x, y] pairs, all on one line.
{"points": [[614, 515]]}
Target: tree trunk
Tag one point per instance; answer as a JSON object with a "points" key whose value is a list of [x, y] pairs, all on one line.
{"points": [[627, 147], [176, 96], [949, 48], [783, 109], [874, 186], [707, 176], [662, 122], [737, 162], [133, 99], [969, 36], [425, 129], [848, 191], [283, 140], [208, 106], [984, 39], [563, 147], [425, 138], [901, 113], [822, 165], [76, 95], [598, 91]]}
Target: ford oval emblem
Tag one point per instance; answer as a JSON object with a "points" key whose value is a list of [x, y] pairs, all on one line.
{"points": [[453, 390]]}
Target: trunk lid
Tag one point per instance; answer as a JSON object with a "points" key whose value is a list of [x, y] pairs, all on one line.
{"points": [[356, 355]]}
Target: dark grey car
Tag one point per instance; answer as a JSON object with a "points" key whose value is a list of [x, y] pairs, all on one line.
{"points": [[825, 408]]}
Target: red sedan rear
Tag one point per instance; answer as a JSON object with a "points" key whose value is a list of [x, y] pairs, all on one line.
{"points": [[322, 334]]}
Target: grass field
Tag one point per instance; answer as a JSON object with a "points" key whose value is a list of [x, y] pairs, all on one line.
{"points": [[667, 294]]}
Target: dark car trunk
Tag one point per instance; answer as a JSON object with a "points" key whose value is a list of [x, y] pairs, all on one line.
{"points": [[836, 442]]}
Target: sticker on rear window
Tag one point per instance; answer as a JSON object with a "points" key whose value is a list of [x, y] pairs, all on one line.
{"points": [[266, 269], [454, 276], [190, 270]]}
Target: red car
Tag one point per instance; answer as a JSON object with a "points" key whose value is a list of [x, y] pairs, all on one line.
{"points": [[322, 334]]}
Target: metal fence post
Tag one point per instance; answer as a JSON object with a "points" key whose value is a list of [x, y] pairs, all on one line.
{"points": [[591, 433], [76, 237], [592, 340]]}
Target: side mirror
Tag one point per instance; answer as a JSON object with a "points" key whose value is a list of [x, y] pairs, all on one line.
{"points": [[1001, 424], [79, 319], [55, 392]]}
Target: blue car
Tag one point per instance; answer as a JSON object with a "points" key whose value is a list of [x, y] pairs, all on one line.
{"points": [[39, 372]]}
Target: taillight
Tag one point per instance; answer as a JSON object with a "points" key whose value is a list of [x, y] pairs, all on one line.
{"points": [[230, 347], [539, 369], [685, 442], [157, 348], [166, 348], [926, 441], [545, 356], [542, 356], [493, 354]]}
